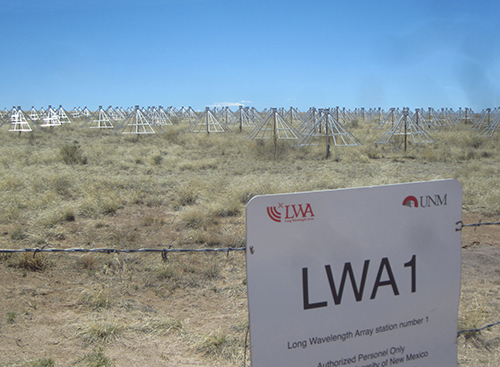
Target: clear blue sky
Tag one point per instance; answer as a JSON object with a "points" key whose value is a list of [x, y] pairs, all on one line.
{"points": [[394, 53]]}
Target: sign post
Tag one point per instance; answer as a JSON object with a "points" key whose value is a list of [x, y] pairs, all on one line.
{"points": [[356, 277]]}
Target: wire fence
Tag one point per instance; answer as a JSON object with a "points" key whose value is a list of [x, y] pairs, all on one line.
{"points": [[461, 225], [165, 251]]}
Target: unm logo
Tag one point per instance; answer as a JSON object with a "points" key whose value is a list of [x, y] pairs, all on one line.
{"points": [[425, 201], [290, 213]]}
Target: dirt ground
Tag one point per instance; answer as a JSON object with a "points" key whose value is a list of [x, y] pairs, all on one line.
{"points": [[117, 316], [480, 301]]}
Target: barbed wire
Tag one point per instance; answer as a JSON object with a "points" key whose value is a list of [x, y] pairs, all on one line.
{"points": [[478, 329], [461, 224], [165, 251], [114, 250]]}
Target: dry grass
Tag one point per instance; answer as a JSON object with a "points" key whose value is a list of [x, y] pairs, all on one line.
{"points": [[101, 332], [96, 358], [33, 262], [72, 187]]}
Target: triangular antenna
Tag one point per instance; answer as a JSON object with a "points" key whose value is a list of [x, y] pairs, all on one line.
{"points": [[242, 118], [388, 118], [309, 120], [460, 116], [483, 121], [420, 119], [182, 113], [34, 114], [160, 117], [256, 116], [115, 114], [123, 114], [404, 127], [492, 125], [192, 115], [6, 116], [207, 123], [99, 120], [51, 119], [227, 116], [86, 111], [18, 121], [328, 127], [63, 117], [172, 114], [76, 112], [374, 115], [467, 117], [42, 113], [187, 114], [293, 117], [274, 127], [137, 123], [438, 118]]}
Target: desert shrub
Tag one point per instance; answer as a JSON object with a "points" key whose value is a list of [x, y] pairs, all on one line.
{"points": [[39, 362], [96, 358], [109, 204], [99, 301], [88, 262], [467, 154], [101, 333], [198, 165], [10, 212], [372, 151], [11, 317], [474, 142], [68, 215], [95, 204], [148, 221], [353, 124], [18, 233], [173, 135], [218, 344], [33, 262], [157, 159], [211, 271], [270, 149], [53, 216], [62, 186], [186, 195], [227, 208], [121, 237], [72, 154], [436, 153], [246, 195], [194, 218], [167, 272], [89, 207], [210, 237], [43, 362]]}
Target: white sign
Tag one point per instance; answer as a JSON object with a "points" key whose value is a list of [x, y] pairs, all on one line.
{"points": [[355, 277]]}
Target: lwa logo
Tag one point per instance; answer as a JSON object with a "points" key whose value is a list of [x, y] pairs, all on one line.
{"points": [[290, 213], [425, 201]]}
